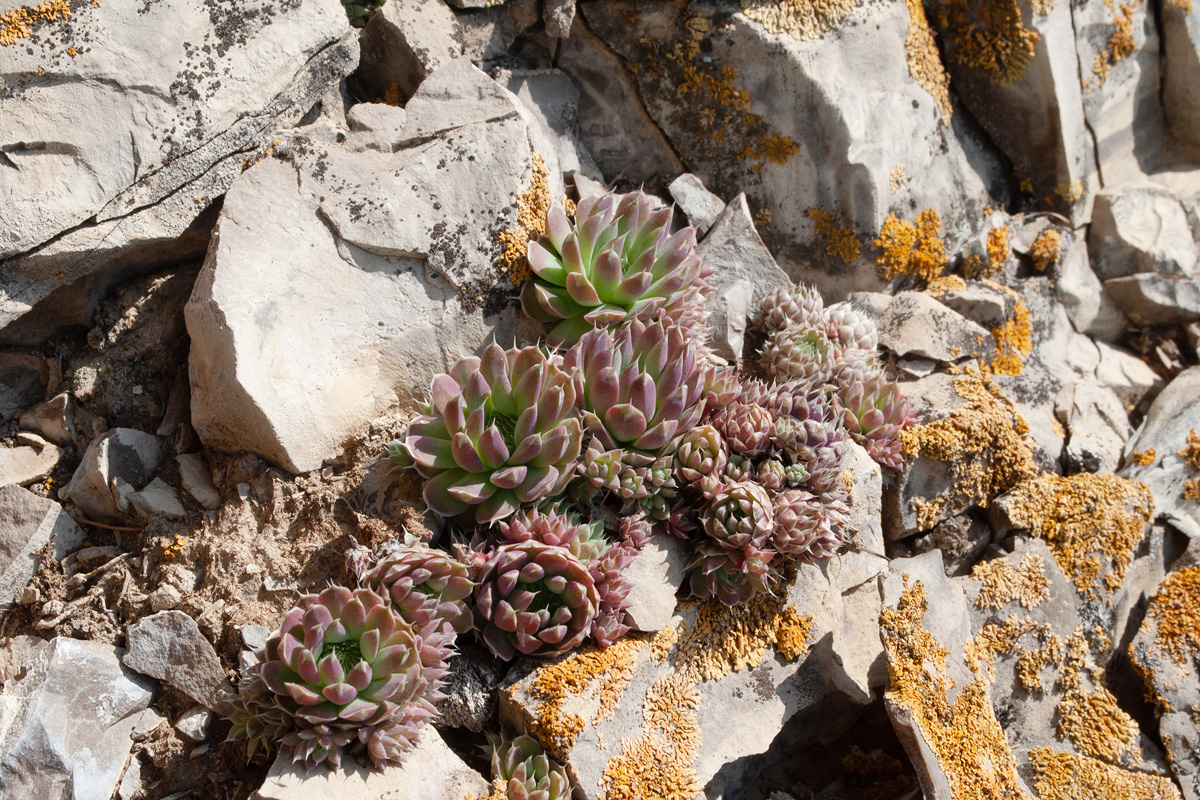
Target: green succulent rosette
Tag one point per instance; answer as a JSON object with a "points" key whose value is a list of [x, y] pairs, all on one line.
{"points": [[525, 771], [499, 431], [425, 585], [618, 260]]}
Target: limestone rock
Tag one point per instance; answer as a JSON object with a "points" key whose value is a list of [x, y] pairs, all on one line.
{"points": [[961, 540], [22, 383], [1077, 287], [712, 84], [1126, 375], [352, 283], [124, 453], [157, 498], [28, 463], [655, 575], [53, 419], [863, 561], [27, 523], [471, 688], [743, 273], [1097, 427], [431, 771], [166, 119], [1173, 415], [197, 479], [1138, 230], [68, 736], [558, 15], [193, 724], [698, 204], [915, 324], [169, 646], [1181, 72], [554, 102], [1151, 299]]}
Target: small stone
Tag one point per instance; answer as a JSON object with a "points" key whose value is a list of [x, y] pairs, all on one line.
{"points": [[126, 453], [558, 15], [31, 595], [698, 204], [915, 324], [158, 498], [194, 722], [197, 479], [168, 646], [165, 598], [24, 465], [655, 575], [27, 523], [254, 637]]}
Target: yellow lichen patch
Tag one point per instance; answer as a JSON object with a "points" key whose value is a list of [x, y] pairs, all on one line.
{"points": [[898, 179], [1191, 451], [1092, 523], [532, 207], [499, 792], [1046, 249], [981, 441], [924, 60], [840, 241], [800, 19], [659, 763], [1042, 7], [1030, 663], [1176, 610], [1143, 459], [1002, 583], [1070, 191], [1191, 490], [988, 36], [719, 640], [1094, 723], [18, 24], [1121, 43], [908, 249], [965, 737], [1014, 340], [554, 684], [662, 643], [1067, 776], [1184, 6], [998, 252], [946, 283]]}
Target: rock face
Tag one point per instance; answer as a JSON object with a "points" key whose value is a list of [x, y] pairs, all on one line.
{"points": [[169, 646], [27, 523], [341, 280], [173, 115], [1141, 230], [66, 733]]}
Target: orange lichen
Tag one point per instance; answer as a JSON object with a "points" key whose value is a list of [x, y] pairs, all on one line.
{"points": [[1094, 723], [554, 684], [391, 95], [792, 633], [1069, 191], [924, 60], [908, 249], [946, 283], [1143, 459], [1184, 6], [840, 241], [1046, 249], [1003, 583], [532, 207], [1176, 610], [662, 643], [659, 763], [998, 252], [1191, 490], [800, 19], [1067, 776], [499, 792], [1092, 523], [980, 441], [1014, 340], [1191, 451], [1121, 44], [965, 736], [18, 24], [990, 37]]}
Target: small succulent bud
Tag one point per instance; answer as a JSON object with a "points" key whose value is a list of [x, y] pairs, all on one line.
{"points": [[740, 516], [771, 474]]}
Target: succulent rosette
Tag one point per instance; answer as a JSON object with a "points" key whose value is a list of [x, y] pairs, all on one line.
{"points": [[522, 767], [851, 328], [807, 429], [875, 412], [701, 451], [638, 387], [746, 428], [731, 576], [499, 431], [771, 474], [800, 351], [257, 719], [796, 305], [741, 515], [345, 667], [534, 598], [424, 585], [617, 261]]}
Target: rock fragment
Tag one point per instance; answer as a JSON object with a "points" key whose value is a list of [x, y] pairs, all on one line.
{"points": [[123, 453], [27, 524], [169, 646]]}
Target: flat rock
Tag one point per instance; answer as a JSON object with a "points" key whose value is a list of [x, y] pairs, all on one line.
{"points": [[27, 523], [52, 420], [1097, 427], [431, 771], [124, 453], [350, 266], [743, 273], [1173, 415], [197, 480], [655, 575], [698, 204], [169, 646], [1130, 378], [1137, 230], [25, 464], [915, 324], [157, 498], [68, 736], [1150, 299]]}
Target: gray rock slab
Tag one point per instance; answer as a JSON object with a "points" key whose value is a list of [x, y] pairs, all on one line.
{"points": [[698, 204], [1149, 299], [915, 324], [1126, 375], [197, 480], [655, 574], [431, 771], [559, 16], [193, 724], [25, 464], [1172, 416], [27, 523], [162, 110], [1141, 229], [68, 737], [124, 453], [301, 337], [864, 561], [740, 262], [169, 646], [1181, 73], [1082, 294], [1097, 427], [157, 498], [553, 100], [53, 419]]}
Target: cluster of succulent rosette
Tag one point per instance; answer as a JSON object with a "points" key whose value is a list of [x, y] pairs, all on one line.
{"points": [[552, 464]]}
